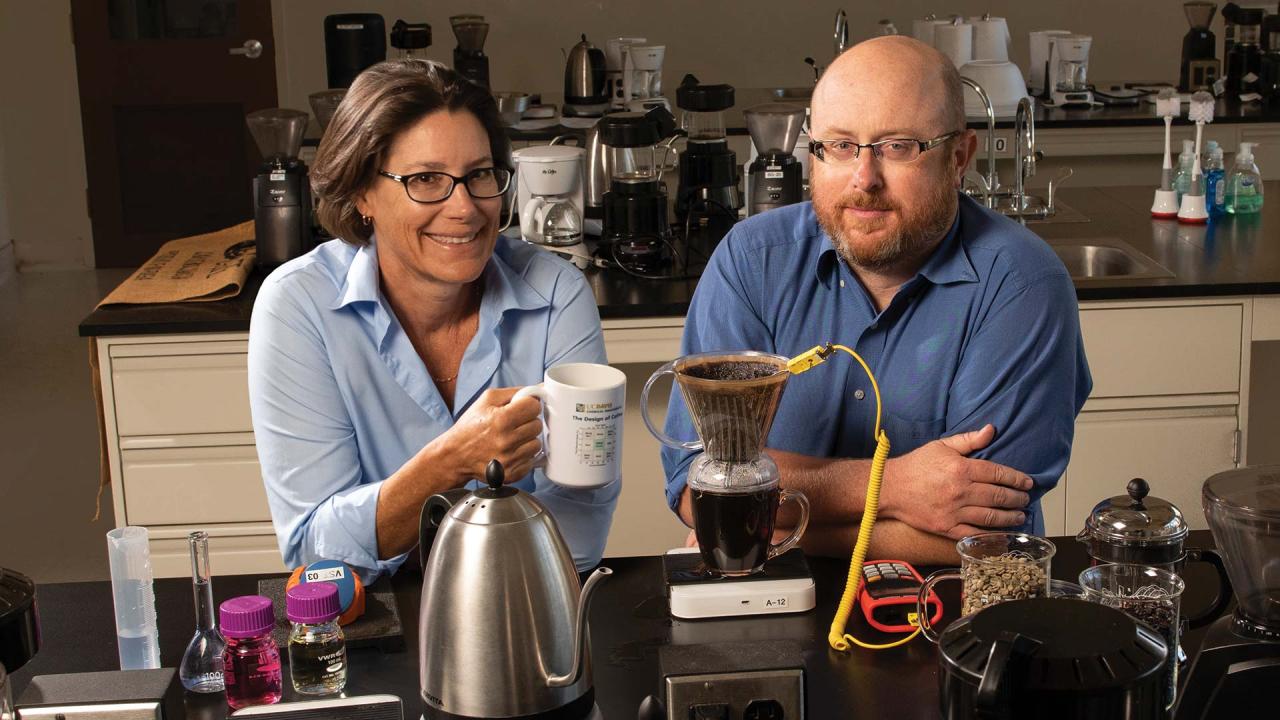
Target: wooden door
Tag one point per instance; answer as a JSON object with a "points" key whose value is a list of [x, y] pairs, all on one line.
{"points": [[163, 102]]}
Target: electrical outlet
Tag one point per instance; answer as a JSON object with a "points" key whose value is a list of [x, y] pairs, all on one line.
{"points": [[750, 695]]}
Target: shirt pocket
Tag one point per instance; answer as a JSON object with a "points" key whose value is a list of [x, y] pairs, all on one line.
{"points": [[907, 434]]}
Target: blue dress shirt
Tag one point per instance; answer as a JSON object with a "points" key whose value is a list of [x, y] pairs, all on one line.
{"points": [[987, 331], [341, 400]]}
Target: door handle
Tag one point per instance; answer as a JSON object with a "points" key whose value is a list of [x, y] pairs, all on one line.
{"points": [[252, 49]]}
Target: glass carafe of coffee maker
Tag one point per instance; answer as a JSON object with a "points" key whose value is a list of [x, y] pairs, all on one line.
{"points": [[734, 487]]}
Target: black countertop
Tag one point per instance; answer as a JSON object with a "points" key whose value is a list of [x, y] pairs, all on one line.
{"points": [[1233, 255], [629, 623], [1047, 117]]}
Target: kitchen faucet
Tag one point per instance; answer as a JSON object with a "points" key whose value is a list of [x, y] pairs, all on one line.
{"points": [[1024, 151], [992, 181], [842, 32]]}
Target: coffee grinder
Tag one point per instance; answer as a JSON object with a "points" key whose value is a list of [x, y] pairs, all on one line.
{"points": [[1238, 667], [636, 234], [468, 57], [776, 177], [281, 189], [708, 189], [1200, 66]]}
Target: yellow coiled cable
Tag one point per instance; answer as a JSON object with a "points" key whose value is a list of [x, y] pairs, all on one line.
{"points": [[837, 637]]}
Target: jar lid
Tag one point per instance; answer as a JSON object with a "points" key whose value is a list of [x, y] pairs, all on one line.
{"points": [[312, 603], [1136, 519], [246, 616]]}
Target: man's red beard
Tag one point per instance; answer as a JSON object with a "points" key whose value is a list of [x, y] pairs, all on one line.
{"points": [[919, 228]]}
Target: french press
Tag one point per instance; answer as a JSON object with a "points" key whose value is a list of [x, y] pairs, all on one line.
{"points": [[1141, 529]]}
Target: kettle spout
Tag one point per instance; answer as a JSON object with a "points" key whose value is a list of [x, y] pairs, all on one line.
{"points": [[580, 638]]}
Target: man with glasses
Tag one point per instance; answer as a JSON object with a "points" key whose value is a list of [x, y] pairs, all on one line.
{"points": [[968, 320]]}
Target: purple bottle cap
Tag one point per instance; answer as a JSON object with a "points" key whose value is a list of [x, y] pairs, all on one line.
{"points": [[246, 616], [312, 603]]}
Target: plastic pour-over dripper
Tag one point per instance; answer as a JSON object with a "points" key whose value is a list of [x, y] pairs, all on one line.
{"points": [[732, 398]]}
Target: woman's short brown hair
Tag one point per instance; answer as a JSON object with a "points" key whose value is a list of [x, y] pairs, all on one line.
{"points": [[383, 101]]}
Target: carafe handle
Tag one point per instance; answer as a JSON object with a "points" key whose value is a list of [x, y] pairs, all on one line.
{"points": [[922, 600], [668, 369], [1222, 599], [794, 537]]}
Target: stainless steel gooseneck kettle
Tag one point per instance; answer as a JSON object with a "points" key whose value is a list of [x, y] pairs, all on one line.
{"points": [[503, 624]]}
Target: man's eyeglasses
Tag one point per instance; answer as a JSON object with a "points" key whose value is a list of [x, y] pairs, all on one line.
{"points": [[894, 150], [434, 187]]}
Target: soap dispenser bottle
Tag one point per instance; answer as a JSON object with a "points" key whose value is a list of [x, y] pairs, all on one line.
{"points": [[1244, 184], [1215, 186], [1186, 162]]}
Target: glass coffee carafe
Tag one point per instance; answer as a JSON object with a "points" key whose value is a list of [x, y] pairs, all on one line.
{"points": [[734, 487]]}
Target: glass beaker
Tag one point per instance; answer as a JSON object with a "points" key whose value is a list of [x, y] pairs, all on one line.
{"points": [[1148, 594], [994, 567]]}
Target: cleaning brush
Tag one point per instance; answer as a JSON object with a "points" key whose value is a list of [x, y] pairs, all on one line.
{"points": [[1168, 107], [1193, 204]]}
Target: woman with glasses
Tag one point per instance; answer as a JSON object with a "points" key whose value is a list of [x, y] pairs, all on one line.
{"points": [[382, 364]]}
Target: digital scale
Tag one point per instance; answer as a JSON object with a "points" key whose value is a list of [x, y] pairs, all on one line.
{"points": [[785, 585]]}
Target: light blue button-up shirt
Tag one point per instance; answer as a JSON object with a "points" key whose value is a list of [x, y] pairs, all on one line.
{"points": [[988, 331], [341, 400]]}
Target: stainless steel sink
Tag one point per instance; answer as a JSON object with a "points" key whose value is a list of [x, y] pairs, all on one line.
{"points": [[1106, 259]]}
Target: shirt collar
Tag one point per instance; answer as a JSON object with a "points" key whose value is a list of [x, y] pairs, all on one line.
{"points": [[504, 288], [948, 263]]}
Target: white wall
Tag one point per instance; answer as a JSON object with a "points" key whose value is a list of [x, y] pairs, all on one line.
{"points": [[40, 131], [747, 43]]}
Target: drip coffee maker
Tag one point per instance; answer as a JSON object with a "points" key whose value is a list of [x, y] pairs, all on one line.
{"points": [[642, 76], [613, 67], [1069, 70], [636, 233], [734, 486], [281, 189], [708, 188], [1199, 67], [468, 57], [549, 198], [776, 178], [1238, 666]]}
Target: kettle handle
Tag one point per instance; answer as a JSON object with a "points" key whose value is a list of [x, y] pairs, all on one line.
{"points": [[1009, 655], [433, 512]]}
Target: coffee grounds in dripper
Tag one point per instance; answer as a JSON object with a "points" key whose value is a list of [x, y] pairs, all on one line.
{"points": [[732, 400]]}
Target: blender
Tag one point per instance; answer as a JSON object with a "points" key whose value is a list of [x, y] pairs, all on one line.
{"points": [[636, 234], [776, 178], [708, 188], [468, 57], [549, 198], [281, 189], [1238, 667], [1199, 67], [1069, 70]]}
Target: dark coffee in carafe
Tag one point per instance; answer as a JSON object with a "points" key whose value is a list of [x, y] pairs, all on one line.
{"points": [[734, 530]]}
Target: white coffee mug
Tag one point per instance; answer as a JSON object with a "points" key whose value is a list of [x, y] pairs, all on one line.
{"points": [[582, 406]]}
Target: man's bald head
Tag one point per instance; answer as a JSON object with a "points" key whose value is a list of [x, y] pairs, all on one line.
{"points": [[917, 79]]}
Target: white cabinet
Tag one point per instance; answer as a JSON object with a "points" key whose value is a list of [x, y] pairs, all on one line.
{"points": [[1166, 404], [179, 445]]}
